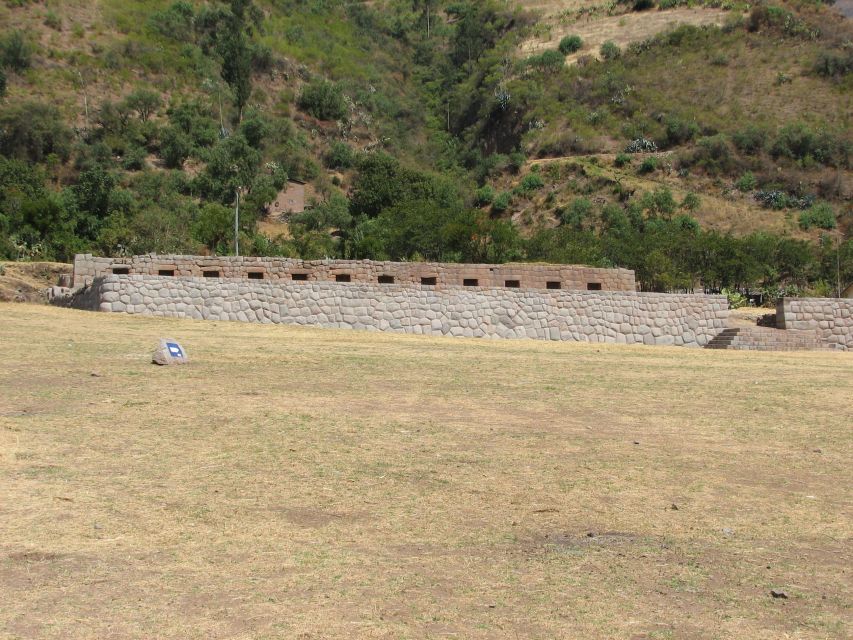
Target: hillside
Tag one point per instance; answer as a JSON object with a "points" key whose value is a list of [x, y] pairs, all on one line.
{"points": [[441, 130]]}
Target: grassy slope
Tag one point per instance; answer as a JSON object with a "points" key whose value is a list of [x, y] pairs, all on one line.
{"points": [[308, 483], [93, 37], [723, 84]]}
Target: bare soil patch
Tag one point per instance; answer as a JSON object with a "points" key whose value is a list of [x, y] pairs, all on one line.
{"points": [[27, 281]]}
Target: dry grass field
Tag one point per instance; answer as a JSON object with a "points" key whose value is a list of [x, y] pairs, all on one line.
{"points": [[300, 483], [621, 29]]}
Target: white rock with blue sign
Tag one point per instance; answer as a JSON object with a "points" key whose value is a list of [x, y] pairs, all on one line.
{"points": [[170, 352]]}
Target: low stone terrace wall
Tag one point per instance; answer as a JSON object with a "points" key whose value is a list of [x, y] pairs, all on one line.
{"points": [[832, 318], [514, 276], [616, 317]]}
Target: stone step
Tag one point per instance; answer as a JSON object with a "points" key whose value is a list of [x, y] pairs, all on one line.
{"points": [[766, 339]]}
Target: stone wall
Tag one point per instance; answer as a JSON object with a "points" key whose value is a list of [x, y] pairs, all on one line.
{"points": [[440, 275], [617, 317], [832, 318]]}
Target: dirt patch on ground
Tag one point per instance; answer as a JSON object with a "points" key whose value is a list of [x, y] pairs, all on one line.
{"points": [[27, 281]]}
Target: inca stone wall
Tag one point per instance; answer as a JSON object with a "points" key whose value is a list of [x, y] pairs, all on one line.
{"points": [[832, 318], [440, 275], [617, 317]]}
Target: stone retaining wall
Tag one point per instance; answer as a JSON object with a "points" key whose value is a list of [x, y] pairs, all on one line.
{"points": [[440, 275], [832, 318], [617, 317]]}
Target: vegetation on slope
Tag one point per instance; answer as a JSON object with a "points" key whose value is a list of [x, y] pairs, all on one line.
{"points": [[130, 127]]}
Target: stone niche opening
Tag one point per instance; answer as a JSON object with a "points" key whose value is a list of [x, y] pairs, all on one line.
{"points": [[210, 273], [593, 286], [470, 282], [255, 275], [343, 277], [429, 281], [299, 277], [386, 279], [121, 271], [554, 284], [168, 273], [512, 284]]}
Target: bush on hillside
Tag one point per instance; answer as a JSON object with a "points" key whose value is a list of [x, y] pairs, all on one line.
{"points": [[577, 213], [750, 140], [820, 215], [570, 44], [485, 195], [798, 141], [714, 154], [324, 100], [32, 131], [547, 62], [834, 65], [691, 201], [501, 202], [16, 51], [747, 182], [339, 156], [610, 50], [531, 182], [649, 165]]}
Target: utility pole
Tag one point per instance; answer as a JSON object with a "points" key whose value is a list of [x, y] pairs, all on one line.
{"points": [[237, 226], [838, 265]]}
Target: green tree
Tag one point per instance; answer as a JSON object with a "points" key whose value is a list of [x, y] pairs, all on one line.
{"points": [[144, 101]]}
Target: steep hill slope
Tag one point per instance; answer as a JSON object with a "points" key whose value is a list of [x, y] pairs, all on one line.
{"points": [[444, 130]]}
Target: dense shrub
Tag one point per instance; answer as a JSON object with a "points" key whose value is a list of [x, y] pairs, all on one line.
{"points": [[649, 165], [547, 62], [747, 182], [834, 65], [32, 131], [714, 154], [570, 44], [324, 100], [800, 142], [680, 130], [531, 182], [175, 147], [820, 215], [501, 202], [691, 201], [750, 140], [610, 50], [176, 22], [339, 156], [485, 195], [16, 51], [577, 213]]}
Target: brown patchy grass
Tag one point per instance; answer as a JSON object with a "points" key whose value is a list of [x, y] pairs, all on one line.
{"points": [[300, 483], [621, 29]]}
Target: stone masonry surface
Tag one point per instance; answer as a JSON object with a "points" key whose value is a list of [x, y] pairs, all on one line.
{"points": [[832, 318], [521, 276], [615, 317]]}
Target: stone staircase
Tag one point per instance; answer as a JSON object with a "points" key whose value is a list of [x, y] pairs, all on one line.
{"points": [[766, 339]]}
